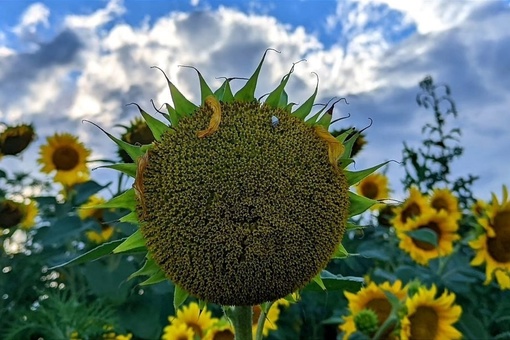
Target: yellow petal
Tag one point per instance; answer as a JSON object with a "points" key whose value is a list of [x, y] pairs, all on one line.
{"points": [[335, 148], [215, 106]]}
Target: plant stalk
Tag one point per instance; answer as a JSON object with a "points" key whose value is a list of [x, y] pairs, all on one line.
{"points": [[241, 317]]}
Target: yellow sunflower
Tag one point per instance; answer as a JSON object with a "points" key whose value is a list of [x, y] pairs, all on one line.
{"points": [[441, 224], [191, 316], [88, 210], [371, 297], [271, 317], [15, 139], [374, 187], [222, 330], [137, 133], [479, 208], [18, 214], [443, 199], [67, 156], [178, 332], [429, 317], [413, 206], [493, 245]]}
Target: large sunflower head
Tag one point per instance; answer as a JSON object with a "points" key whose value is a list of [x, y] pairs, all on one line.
{"points": [[67, 156], [374, 186], [17, 214], [240, 201], [431, 317], [493, 245], [222, 330], [440, 224], [414, 206], [371, 297], [137, 133], [15, 139], [443, 199]]}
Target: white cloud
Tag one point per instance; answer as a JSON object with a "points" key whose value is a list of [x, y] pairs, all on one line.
{"points": [[98, 18], [194, 2], [36, 15]]}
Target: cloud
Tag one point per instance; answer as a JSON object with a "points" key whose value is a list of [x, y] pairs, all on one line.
{"points": [[36, 14]]}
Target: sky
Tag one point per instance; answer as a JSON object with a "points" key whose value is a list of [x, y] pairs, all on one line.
{"points": [[65, 61]]}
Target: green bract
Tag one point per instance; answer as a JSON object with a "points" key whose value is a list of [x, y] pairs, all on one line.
{"points": [[239, 201]]}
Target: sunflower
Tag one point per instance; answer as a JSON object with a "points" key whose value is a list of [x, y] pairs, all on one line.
{"points": [[222, 330], [374, 187], [193, 318], [208, 193], [178, 332], [413, 206], [17, 214], [479, 208], [67, 156], [371, 297], [271, 317], [429, 317], [493, 245], [422, 252], [443, 199], [89, 210], [137, 133], [15, 139]]}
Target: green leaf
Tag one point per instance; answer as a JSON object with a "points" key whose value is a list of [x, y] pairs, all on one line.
{"points": [[341, 137], [318, 280], [155, 278], [305, 109], [133, 151], [182, 105], [157, 128], [359, 204], [149, 268], [125, 200], [247, 92], [224, 93], [136, 240], [205, 90], [341, 252], [180, 295], [85, 190], [173, 115], [132, 217], [354, 177], [349, 144], [126, 168], [336, 283], [274, 97], [424, 235], [94, 254]]}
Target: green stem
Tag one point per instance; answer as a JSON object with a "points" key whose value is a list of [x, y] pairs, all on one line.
{"points": [[241, 317], [390, 321], [261, 322]]}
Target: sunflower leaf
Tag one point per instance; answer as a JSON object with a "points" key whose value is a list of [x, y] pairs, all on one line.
{"points": [[359, 204], [275, 97], [247, 92], [224, 93], [149, 268], [349, 144], [132, 217], [125, 200], [305, 109], [336, 283], [136, 240], [180, 295], [126, 168], [157, 128], [94, 254], [318, 280], [343, 136], [181, 103], [133, 151], [424, 235], [341, 252], [155, 278], [354, 177], [205, 90], [344, 162]]}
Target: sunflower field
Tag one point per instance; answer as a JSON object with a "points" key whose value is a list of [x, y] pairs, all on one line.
{"points": [[244, 217]]}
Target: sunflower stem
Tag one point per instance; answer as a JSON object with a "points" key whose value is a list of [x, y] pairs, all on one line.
{"points": [[262, 321], [241, 317], [390, 322]]}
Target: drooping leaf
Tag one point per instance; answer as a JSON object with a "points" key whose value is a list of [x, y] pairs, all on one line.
{"points": [[94, 254], [359, 204], [135, 240], [180, 295], [333, 282], [354, 177], [181, 103]]}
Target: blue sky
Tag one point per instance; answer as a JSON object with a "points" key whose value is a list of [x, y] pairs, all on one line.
{"points": [[64, 61]]}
